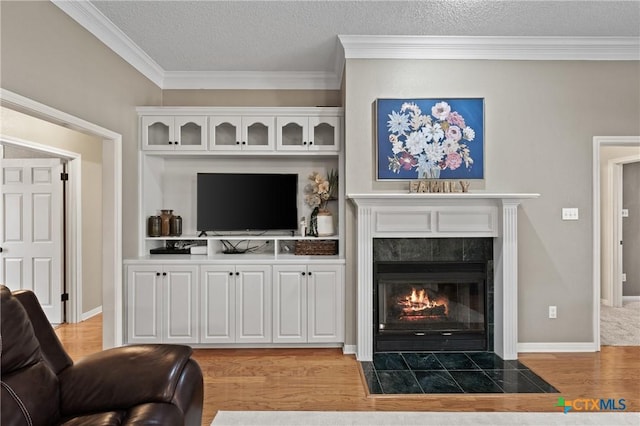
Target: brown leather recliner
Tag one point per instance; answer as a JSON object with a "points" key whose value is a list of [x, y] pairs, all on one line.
{"points": [[130, 385]]}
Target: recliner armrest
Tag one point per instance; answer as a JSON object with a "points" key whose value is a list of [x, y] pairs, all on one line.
{"points": [[123, 377]]}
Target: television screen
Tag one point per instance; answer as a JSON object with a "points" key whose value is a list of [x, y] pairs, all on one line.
{"points": [[247, 202]]}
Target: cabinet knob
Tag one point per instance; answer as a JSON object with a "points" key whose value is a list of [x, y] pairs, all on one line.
{"points": [[244, 143], [230, 274], [304, 273], [176, 143], [309, 273], [237, 142], [310, 142], [157, 274], [304, 143], [164, 274], [237, 273], [170, 143]]}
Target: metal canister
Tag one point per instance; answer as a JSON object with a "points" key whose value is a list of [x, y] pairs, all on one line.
{"points": [[175, 226], [154, 226]]}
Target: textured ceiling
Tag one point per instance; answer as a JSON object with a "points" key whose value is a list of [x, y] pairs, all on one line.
{"points": [[295, 36]]}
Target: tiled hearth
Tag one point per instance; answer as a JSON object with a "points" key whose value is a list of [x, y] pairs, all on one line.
{"points": [[449, 373]]}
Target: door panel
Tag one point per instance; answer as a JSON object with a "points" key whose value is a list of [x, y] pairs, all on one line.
{"points": [[31, 231]]}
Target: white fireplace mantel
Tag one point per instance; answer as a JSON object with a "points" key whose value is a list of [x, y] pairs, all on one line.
{"points": [[442, 215]]}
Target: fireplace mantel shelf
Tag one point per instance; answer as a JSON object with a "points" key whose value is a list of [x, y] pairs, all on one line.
{"points": [[478, 195]]}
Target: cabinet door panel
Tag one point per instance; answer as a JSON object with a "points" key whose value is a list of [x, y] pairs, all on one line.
{"points": [[225, 133], [253, 304], [181, 305], [258, 133], [292, 133], [144, 304], [324, 133], [157, 132], [217, 304], [190, 133], [289, 304], [326, 304]]}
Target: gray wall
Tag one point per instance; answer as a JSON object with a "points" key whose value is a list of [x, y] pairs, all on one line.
{"points": [[540, 119], [631, 228]]}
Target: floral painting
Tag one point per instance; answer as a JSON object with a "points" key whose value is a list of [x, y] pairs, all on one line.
{"points": [[430, 138]]}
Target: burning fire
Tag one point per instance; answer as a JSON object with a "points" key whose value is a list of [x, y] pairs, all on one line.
{"points": [[419, 304]]}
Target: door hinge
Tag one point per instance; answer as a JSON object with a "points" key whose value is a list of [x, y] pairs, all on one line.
{"points": [[64, 297], [64, 176]]}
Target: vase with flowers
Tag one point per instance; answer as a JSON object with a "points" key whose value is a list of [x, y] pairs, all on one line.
{"points": [[318, 193]]}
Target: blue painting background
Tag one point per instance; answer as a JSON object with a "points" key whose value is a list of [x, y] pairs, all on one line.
{"points": [[472, 109]]}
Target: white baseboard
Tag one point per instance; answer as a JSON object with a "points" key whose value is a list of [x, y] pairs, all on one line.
{"points": [[630, 299], [349, 349], [92, 313], [557, 347]]}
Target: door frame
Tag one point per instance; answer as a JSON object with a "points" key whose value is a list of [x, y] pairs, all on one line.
{"points": [[112, 312], [599, 142], [72, 262]]}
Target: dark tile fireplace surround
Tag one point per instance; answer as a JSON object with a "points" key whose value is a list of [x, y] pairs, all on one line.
{"points": [[463, 252]]}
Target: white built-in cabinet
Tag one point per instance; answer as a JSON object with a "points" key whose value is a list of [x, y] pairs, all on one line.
{"points": [[308, 133], [308, 303], [181, 133], [162, 304], [247, 133], [269, 298]]}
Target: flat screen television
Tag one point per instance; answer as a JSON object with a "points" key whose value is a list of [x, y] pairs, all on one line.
{"points": [[247, 202]]}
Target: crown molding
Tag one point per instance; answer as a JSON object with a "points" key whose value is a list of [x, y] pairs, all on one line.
{"points": [[353, 47], [492, 48], [252, 80]]}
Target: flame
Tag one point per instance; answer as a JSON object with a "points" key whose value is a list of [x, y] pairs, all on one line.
{"points": [[418, 301]]}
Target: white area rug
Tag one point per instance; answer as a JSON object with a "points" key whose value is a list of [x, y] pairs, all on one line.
{"points": [[388, 418], [620, 326]]}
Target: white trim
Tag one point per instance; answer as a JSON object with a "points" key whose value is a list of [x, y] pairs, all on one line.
{"points": [[557, 347], [94, 21], [494, 48], [349, 349], [599, 142], [629, 299], [92, 313], [112, 332]]}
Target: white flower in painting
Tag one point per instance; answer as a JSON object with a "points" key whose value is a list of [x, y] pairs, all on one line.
{"points": [[433, 132], [434, 153], [450, 146], [398, 123], [411, 106], [441, 110], [468, 133], [398, 147], [416, 142]]}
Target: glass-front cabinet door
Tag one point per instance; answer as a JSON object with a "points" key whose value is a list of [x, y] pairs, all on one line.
{"points": [[235, 133], [225, 133], [163, 133], [308, 133]]}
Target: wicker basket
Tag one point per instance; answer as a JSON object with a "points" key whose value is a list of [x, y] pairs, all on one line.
{"points": [[316, 247]]}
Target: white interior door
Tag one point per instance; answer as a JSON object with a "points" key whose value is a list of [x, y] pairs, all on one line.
{"points": [[31, 234]]}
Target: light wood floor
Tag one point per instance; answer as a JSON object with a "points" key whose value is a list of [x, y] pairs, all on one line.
{"points": [[327, 380]]}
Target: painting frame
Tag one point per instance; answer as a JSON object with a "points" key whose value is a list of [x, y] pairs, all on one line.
{"points": [[429, 138]]}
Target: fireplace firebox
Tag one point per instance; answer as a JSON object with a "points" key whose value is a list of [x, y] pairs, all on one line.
{"points": [[430, 306]]}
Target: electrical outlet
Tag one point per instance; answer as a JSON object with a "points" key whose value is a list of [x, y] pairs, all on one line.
{"points": [[553, 312], [624, 277], [569, 214], [625, 212]]}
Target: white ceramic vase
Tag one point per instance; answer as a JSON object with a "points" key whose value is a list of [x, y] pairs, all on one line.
{"points": [[325, 223]]}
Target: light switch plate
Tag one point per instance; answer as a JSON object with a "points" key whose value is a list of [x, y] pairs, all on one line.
{"points": [[569, 214], [625, 212]]}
